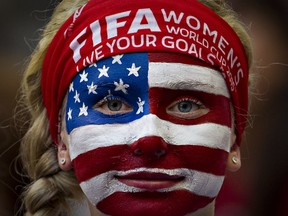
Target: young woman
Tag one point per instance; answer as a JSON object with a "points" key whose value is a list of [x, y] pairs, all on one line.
{"points": [[137, 107]]}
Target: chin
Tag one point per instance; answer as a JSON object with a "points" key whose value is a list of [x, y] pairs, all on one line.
{"points": [[173, 203]]}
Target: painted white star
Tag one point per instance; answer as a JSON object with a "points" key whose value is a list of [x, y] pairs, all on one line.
{"points": [[134, 70], [83, 77], [69, 113], [140, 106], [76, 97], [71, 87], [92, 88], [83, 110], [117, 59], [121, 86], [93, 65], [103, 71]]}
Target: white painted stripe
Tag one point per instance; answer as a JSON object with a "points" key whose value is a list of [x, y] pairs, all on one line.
{"points": [[187, 77], [90, 137], [199, 183]]}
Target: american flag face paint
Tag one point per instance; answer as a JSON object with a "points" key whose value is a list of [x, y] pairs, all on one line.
{"points": [[148, 137], [114, 81]]}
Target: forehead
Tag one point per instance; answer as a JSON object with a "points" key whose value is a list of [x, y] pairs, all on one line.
{"points": [[159, 70]]}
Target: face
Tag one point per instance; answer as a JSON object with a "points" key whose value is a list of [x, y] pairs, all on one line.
{"points": [[148, 137]]}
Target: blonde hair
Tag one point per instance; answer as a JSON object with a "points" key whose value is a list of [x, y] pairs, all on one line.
{"points": [[51, 187]]}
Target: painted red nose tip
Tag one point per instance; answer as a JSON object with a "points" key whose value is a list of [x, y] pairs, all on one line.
{"points": [[151, 146]]}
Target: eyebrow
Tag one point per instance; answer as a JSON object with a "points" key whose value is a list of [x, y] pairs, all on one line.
{"points": [[188, 85], [186, 77]]}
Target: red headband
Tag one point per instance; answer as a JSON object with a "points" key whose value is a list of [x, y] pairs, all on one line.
{"points": [[101, 29]]}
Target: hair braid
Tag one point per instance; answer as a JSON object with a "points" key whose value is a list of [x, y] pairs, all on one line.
{"points": [[50, 187]]}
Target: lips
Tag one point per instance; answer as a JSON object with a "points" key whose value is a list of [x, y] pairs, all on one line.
{"points": [[150, 181]]}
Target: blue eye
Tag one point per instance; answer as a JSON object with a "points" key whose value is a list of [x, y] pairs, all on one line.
{"points": [[113, 106], [187, 108]]}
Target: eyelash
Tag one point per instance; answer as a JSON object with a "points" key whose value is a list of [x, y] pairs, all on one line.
{"points": [[111, 106], [108, 99], [197, 102], [193, 100], [192, 110]]}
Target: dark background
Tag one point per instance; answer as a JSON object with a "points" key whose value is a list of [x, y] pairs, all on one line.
{"points": [[259, 188]]}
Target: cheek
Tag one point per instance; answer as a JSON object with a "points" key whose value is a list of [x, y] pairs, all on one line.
{"points": [[198, 152]]}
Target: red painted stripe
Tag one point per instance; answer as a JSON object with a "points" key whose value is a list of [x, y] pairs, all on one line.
{"points": [[218, 105], [152, 203], [173, 57], [121, 158]]}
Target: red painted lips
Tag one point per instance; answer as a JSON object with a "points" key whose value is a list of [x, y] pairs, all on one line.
{"points": [[150, 181]]}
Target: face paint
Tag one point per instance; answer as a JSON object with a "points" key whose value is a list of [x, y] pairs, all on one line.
{"points": [[111, 80], [148, 137]]}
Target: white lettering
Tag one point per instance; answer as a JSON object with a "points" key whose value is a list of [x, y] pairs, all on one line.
{"points": [[111, 46], [222, 44], [151, 21], [125, 44], [113, 24], [89, 60], [167, 42], [182, 45], [76, 46], [184, 32], [141, 42], [95, 55], [193, 50], [171, 15], [230, 57], [98, 52], [196, 25], [206, 31], [239, 76], [184, 48], [213, 50], [173, 30], [152, 41], [96, 32], [211, 58]]}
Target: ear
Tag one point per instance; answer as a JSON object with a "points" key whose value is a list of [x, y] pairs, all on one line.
{"points": [[234, 159], [64, 159]]}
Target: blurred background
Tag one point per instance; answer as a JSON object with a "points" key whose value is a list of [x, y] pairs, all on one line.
{"points": [[259, 188]]}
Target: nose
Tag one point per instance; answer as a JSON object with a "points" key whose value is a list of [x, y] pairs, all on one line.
{"points": [[152, 146]]}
